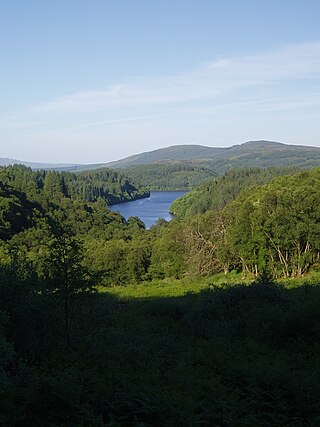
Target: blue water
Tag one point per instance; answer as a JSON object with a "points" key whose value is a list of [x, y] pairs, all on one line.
{"points": [[149, 210]]}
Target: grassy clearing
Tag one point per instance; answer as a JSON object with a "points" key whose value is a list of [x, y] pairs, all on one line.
{"points": [[188, 354], [162, 289], [177, 288], [179, 353]]}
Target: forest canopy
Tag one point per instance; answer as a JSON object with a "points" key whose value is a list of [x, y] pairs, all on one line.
{"points": [[112, 186], [230, 223]]}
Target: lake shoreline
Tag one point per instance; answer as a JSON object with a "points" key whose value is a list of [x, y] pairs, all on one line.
{"points": [[151, 208]]}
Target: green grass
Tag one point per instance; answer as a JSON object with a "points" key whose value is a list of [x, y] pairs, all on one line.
{"points": [[180, 353], [177, 288], [173, 287], [189, 353]]}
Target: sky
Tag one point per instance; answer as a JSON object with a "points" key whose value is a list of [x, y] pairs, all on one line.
{"points": [[92, 81]]}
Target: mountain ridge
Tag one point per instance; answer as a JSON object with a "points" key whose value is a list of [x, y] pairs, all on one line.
{"points": [[263, 152], [7, 161]]}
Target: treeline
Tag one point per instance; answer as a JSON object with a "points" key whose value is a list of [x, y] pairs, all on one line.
{"points": [[169, 176], [217, 193], [112, 186], [271, 228], [33, 208]]}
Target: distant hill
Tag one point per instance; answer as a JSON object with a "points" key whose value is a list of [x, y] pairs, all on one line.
{"points": [[4, 161], [265, 154], [173, 153], [253, 153], [59, 167], [218, 159]]}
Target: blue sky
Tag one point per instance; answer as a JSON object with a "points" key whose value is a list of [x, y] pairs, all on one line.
{"points": [[85, 81]]}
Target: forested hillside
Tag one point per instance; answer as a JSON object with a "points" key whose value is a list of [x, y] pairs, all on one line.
{"points": [[187, 166], [262, 154], [112, 186], [220, 159], [169, 176], [233, 224], [81, 342], [218, 192]]}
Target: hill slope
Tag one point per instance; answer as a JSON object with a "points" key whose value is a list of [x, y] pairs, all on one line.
{"points": [[218, 192], [173, 153], [106, 184], [253, 153], [5, 161], [169, 176]]}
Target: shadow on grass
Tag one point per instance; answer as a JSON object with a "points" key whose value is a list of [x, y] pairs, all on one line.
{"points": [[231, 356]]}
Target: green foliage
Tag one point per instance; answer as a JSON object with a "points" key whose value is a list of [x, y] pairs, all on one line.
{"points": [[277, 226], [169, 176], [168, 252], [217, 193], [88, 186], [273, 227], [110, 185], [16, 211]]}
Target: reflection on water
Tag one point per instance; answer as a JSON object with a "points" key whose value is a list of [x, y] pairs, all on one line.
{"points": [[151, 209]]}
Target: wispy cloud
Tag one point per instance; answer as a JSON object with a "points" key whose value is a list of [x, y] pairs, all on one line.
{"points": [[226, 76], [273, 95]]}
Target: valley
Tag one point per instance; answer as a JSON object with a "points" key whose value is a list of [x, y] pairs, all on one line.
{"points": [[160, 213], [106, 317]]}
